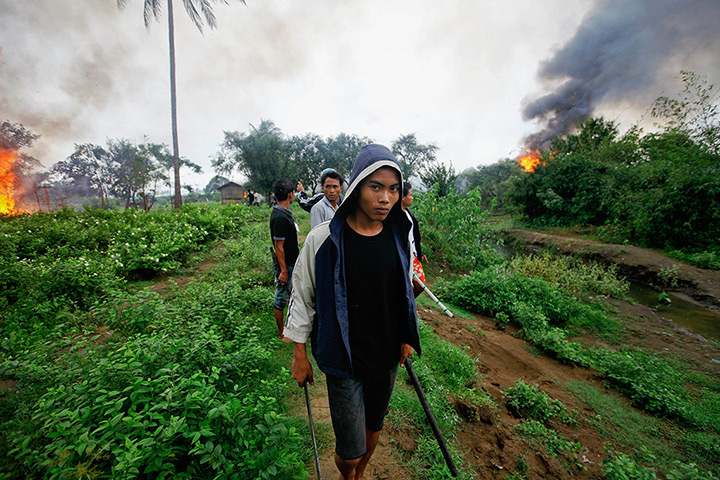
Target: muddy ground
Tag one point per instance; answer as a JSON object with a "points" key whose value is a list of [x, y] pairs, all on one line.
{"points": [[487, 437]]}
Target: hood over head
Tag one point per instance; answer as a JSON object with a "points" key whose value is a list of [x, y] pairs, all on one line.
{"points": [[370, 158]]}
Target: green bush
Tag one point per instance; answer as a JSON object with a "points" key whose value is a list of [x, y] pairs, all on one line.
{"points": [[120, 382], [573, 276], [689, 471], [548, 439], [619, 466], [184, 396], [540, 309], [531, 402], [455, 228]]}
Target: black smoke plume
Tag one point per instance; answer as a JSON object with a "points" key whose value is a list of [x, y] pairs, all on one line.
{"points": [[623, 51]]}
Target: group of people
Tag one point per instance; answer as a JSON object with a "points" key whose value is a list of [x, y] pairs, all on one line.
{"points": [[350, 292], [254, 198]]}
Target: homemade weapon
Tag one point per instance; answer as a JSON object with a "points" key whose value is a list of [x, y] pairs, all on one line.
{"points": [[430, 417], [427, 290], [312, 431]]}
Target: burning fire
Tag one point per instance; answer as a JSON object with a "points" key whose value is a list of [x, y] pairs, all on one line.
{"points": [[530, 161], [8, 182]]}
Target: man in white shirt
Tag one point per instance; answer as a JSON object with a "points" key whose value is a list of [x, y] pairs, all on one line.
{"points": [[324, 210]]}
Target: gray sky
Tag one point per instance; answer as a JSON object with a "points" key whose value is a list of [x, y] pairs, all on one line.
{"points": [[456, 73]]}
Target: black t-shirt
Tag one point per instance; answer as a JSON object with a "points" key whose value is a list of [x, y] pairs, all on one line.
{"points": [[375, 298], [282, 227]]}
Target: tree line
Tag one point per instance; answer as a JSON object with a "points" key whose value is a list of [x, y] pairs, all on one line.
{"points": [[659, 189], [131, 172], [134, 173], [264, 154]]}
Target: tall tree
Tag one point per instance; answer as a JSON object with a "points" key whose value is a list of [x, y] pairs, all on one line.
{"points": [[263, 156], [197, 10], [342, 151], [696, 112], [307, 155], [15, 137], [125, 170], [492, 180], [441, 175], [413, 156], [214, 183], [85, 172]]}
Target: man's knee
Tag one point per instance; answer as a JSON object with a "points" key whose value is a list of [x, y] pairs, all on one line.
{"points": [[346, 465]]}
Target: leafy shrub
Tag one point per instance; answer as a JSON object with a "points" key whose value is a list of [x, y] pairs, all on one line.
{"points": [[548, 439], [181, 385], [706, 259], [497, 289], [456, 228], [619, 466], [571, 275], [652, 382], [689, 471], [531, 402], [178, 398]]}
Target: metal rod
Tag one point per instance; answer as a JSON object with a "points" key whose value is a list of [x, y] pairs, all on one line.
{"points": [[430, 417], [427, 290], [312, 431]]}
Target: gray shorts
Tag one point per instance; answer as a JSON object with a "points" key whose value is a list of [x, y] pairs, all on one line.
{"points": [[282, 291], [356, 404]]}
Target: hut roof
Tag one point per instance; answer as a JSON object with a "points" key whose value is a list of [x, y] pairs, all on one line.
{"points": [[229, 184]]}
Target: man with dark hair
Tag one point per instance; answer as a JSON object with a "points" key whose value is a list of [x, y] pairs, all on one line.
{"points": [[283, 231], [353, 298], [302, 198], [325, 209]]}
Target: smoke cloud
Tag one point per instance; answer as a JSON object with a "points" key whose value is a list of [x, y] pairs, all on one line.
{"points": [[623, 52]]}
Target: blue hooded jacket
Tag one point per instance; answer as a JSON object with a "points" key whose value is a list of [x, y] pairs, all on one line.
{"points": [[318, 304]]}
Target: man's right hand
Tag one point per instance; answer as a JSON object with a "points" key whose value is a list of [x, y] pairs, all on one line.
{"points": [[301, 369], [300, 187]]}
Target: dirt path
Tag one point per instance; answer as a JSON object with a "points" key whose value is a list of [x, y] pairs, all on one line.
{"points": [[639, 264]]}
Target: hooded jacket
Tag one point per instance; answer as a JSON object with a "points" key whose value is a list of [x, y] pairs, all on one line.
{"points": [[318, 303]]}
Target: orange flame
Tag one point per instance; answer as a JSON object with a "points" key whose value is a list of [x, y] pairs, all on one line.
{"points": [[8, 182], [530, 161]]}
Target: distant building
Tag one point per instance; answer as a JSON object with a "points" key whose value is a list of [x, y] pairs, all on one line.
{"points": [[231, 192]]}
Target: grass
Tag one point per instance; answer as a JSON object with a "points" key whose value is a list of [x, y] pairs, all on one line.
{"points": [[445, 372], [630, 429], [424, 300]]}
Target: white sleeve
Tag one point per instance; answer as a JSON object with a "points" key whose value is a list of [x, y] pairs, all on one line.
{"points": [[301, 309]]}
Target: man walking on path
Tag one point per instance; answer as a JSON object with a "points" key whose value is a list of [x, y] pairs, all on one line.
{"points": [[283, 231], [325, 209], [353, 298]]}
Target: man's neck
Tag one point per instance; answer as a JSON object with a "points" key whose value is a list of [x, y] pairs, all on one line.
{"points": [[285, 204], [363, 225]]}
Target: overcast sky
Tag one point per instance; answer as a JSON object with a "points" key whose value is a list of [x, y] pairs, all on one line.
{"points": [[475, 77]]}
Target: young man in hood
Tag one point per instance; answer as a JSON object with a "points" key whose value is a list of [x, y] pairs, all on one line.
{"points": [[352, 296]]}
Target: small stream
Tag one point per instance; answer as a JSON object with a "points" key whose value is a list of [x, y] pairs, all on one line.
{"points": [[681, 312]]}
